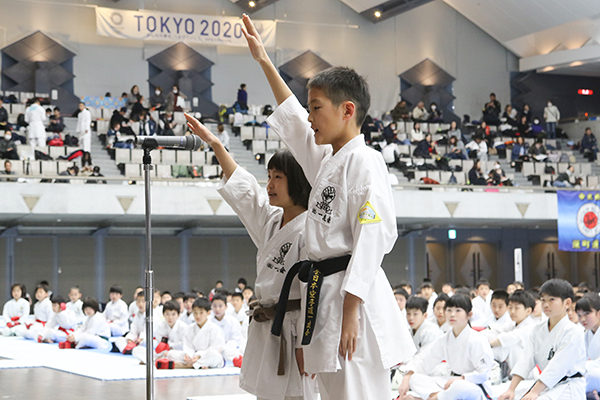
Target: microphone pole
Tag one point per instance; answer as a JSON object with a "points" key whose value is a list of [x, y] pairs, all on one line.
{"points": [[147, 161]]}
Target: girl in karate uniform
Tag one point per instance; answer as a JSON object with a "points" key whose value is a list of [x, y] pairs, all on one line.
{"points": [[15, 310], [42, 311], [275, 221], [61, 324], [467, 354], [588, 310], [94, 333]]}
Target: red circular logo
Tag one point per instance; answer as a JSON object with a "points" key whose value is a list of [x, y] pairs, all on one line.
{"points": [[590, 219]]}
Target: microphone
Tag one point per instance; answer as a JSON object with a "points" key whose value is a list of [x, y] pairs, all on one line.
{"points": [[191, 142]]}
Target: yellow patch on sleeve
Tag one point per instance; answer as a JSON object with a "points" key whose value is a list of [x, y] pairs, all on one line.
{"points": [[368, 215]]}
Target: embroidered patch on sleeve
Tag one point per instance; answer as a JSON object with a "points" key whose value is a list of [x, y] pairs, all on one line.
{"points": [[368, 215]]}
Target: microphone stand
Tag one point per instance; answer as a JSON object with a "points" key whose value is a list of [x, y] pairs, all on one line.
{"points": [[148, 146]]}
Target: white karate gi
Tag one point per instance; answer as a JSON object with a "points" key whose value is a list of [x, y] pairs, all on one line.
{"points": [[445, 327], [482, 312], [35, 116], [242, 317], [117, 315], [77, 309], [232, 332], [186, 318], [468, 354], [42, 312], [133, 309], [430, 314], [592, 365], [84, 121], [60, 325], [205, 342], [502, 324], [426, 335], [13, 309], [513, 342], [558, 353], [94, 333], [278, 250], [351, 211], [137, 330], [162, 330]]}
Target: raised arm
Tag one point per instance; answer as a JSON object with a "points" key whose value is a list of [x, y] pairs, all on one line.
{"points": [[225, 160], [255, 44]]}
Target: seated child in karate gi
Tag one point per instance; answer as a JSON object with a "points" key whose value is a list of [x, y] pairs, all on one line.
{"points": [[42, 312], [467, 354], [508, 346], [75, 304], [232, 331], [94, 333], [556, 348], [424, 332], [439, 306], [537, 315], [588, 309], [16, 310], [61, 324], [168, 334], [401, 296], [187, 316], [239, 310], [501, 321], [137, 329], [133, 308], [116, 312], [427, 292], [482, 312], [203, 342]]}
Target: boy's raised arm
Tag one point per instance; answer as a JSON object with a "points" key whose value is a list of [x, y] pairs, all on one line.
{"points": [[280, 89]]}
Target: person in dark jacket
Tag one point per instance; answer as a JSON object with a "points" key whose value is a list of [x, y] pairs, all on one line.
{"points": [[242, 97], [589, 145], [476, 176]]}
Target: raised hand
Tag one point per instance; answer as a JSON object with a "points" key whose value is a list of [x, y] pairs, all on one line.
{"points": [[200, 130], [255, 44]]}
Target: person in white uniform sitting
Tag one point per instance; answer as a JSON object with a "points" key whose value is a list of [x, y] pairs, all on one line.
{"points": [[16, 310], [588, 310]]}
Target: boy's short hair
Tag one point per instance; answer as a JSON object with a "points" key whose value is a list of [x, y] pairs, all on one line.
{"points": [[202, 303], [91, 303], [141, 293], [401, 292], [500, 294], [297, 184], [188, 296], [237, 294], [219, 297], [75, 287], [558, 288], [55, 299], [441, 297], [523, 297], [41, 285], [343, 84], [449, 283], [460, 301], [221, 292], [115, 289], [166, 292], [588, 303], [178, 295], [243, 281], [462, 290], [482, 282], [248, 288], [425, 285], [518, 283], [417, 303], [171, 306]]}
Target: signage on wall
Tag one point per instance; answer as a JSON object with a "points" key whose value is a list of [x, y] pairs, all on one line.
{"points": [[578, 220], [156, 25], [585, 92]]}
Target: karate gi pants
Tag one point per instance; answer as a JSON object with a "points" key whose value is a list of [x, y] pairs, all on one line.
{"points": [[84, 339], [423, 385], [572, 389], [592, 375], [86, 142], [363, 378], [210, 358]]}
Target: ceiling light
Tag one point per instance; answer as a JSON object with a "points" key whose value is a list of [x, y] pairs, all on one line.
{"points": [[548, 68], [377, 14], [252, 3], [575, 64]]}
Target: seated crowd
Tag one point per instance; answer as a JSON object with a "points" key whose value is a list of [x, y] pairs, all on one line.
{"points": [[191, 330], [470, 340]]}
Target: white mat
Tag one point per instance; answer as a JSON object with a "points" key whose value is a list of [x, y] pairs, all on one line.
{"points": [[225, 397], [89, 363]]}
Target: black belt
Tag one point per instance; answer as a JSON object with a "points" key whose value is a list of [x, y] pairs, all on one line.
{"points": [[485, 393], [313, 273], [563, 379]]}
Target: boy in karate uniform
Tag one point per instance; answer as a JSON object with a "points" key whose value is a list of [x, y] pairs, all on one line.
{"points": [[467, 354], [509, 346], [439, 311], [137, 329], [588, 310], [350, 226], [133, 308], [424, 331], [42, 312], [501, 321], [187, 316], [202, 343], [232, 330], [556, 347], [427, 292], [75, 304], [15, 310], [94, 332], [116, 312], [482, 312], [401, 297], [168, 334], [61, 324]]}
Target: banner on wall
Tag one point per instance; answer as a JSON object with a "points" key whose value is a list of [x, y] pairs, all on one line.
{"points": [[156, 25], [578, 220]]}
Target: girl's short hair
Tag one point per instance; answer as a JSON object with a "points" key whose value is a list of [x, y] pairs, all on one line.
{"points": [[588, 303], [91, 303], [558, 288], [298, 186], [19, 285]]}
